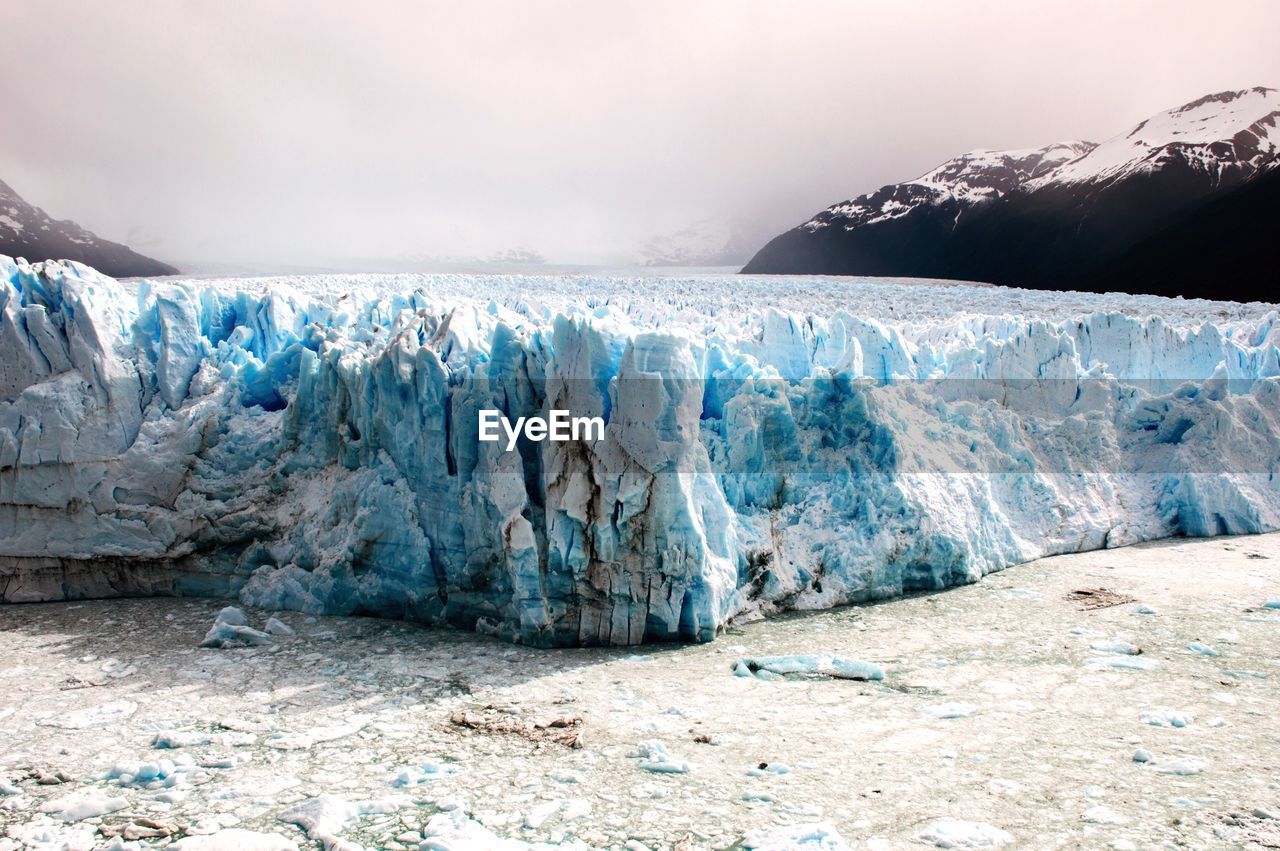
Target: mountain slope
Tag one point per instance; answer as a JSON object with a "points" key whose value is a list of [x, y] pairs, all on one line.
{"points": [[1120, 215], [28, 231], [708, 242]]}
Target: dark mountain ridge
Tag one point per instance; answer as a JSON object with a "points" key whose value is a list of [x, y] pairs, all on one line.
{"points": [[1187, 203], [28, 231]]}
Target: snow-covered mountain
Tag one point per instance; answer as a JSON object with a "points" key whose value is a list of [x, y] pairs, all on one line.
{"points": [[28, 231], [1226, 137], [968, 180], [1182, 204], [708, 242]]}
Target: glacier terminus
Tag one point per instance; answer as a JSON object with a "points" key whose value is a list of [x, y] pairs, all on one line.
{"points": [[312, 443]]}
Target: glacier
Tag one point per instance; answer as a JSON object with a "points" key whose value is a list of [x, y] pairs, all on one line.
{"points": [[310, 443]]}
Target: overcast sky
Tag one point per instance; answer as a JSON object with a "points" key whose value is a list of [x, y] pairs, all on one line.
{"points": [[304, 132]]}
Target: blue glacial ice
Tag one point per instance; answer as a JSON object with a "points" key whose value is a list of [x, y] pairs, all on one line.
{"points": [[820, 665], [310, 443]]}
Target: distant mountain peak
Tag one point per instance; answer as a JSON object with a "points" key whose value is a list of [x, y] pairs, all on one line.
{"points": [[1231, 130], [28, 231], [707, 242], [1073, 215], [972, 178]]}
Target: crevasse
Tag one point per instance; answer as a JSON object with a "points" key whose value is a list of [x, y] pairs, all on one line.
{"points": [[311, 443]]}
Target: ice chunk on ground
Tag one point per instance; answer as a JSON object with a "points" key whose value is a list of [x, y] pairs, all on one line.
{"points": [[1202, 649], [1141, 755], [1137, 663], [323, 818], [230, 629], [302, 739], [1272, 604], [232, 616], [45, 834], [83, 805], [821, 665], [455, 831], [539, 815], [1165, 718], [1182, 766], [235, 839], [817, 836], [575, 809], [161, 774], [653, 756], [180, 739], [1116, 645], [413, 775], [275, 626], [957, 833]]}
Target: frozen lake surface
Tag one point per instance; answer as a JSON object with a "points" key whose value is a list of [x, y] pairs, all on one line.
{"points": [[1009, 712]]}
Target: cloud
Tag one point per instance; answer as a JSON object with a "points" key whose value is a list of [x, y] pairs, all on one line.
{"points": [[304, 132]]}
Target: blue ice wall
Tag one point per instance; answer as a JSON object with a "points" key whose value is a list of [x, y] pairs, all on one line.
{"points": [[315, 448]]}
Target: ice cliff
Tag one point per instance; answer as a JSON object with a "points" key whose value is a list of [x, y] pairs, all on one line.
{"points": [[311, 443]]}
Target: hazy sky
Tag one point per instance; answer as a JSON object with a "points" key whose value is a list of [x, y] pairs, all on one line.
{"points": [[302, 132]]}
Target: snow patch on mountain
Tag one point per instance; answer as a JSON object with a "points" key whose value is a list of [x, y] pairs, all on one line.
{"points": [[1225, 134], [1230, 130], [973, 178]]}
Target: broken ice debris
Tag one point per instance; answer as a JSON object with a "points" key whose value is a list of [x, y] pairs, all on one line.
{"points": [[539, 815], [235, 839], [413, 775], [179, 739], [1165, 718], [161, 774], [82, 806], [1202, 649], [654, 757], [818, 836], [324, 817], [1141, 755], [1116, 645], [1246, 675], [956, 833], [1272, 604], [822, 665], [1137, 663], [454, 831], [275, 626], [231, 629]]}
